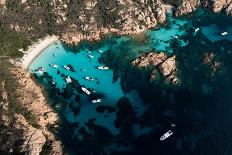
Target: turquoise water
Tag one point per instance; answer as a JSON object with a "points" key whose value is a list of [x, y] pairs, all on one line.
{"points": [[60, 55], [213, 32], [134, 124], [161, 39], [103, 83]]}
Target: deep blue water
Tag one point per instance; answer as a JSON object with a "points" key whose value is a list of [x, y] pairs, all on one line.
{"points": [[135, 112]]}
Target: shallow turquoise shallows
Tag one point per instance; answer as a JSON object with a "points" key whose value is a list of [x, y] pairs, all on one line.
{"points": [[103, 83], [190, 36], [56, 53]]}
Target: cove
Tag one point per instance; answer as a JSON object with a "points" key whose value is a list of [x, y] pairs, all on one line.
{"points": [[128, 120]]}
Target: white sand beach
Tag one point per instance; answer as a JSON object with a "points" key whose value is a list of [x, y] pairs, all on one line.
{"points": [[35, 50]]}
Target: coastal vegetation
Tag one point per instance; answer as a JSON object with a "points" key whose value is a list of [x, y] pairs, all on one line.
{"points": [[173, 2], [13, 98], [11, 42], [24, 22], [10, 108]]}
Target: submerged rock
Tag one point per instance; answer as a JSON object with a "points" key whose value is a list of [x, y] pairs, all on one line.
{"points": [[125, 113], [210, 59]]}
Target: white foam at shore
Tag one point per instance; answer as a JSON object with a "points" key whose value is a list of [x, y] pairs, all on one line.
{"points": [[36, 49]]}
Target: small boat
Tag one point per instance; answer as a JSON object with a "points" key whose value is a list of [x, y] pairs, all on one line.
{"points": [[176, 37], [54, 65], [68, 79], [85, 90], [40, 70], [66, 67], [103, 67], [53, 83], [197, 29], [173, 125], [89, 78], [166, 135], [90, 56], [224, 33], [97, 101], [100, 51]]}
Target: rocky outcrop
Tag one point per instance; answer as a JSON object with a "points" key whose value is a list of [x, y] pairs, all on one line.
{"points": [[222, 5], [161, 64], [25, 115], [2, 2], [124, 17], [33, 99], [214, 5], [187, 7]]}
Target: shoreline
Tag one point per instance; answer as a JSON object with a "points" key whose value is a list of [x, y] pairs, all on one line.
{"points": [[35, 49]]}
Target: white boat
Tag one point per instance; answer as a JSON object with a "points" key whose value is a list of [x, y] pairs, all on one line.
{"points": [[97, 101], [197, 29], [224, 33], [53, 83], [90, 56], [166, 135], [176, 37], [100, 51], [54, 65], [89, 78], [173, 125], [40, 70], [85, 90], [68, 79], [103, 67], [66, 67]]}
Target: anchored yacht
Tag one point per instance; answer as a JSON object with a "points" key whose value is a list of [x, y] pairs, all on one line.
{"points": [[166, 135], [176, 37], [40, 70], [85, 90], [197, 29], [68, 79], [54, 65], [100, 51], [97, 101], [89, 78], [66, 67], [224, 33], [90, 56], [103, 67], [173, 125]]}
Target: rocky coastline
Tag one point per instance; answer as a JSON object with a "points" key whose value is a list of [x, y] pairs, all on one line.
{"points": [[26, 117], [132, 17], [188, 6]]}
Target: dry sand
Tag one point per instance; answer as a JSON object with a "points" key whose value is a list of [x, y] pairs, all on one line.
{"points": [[35, 49]]}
